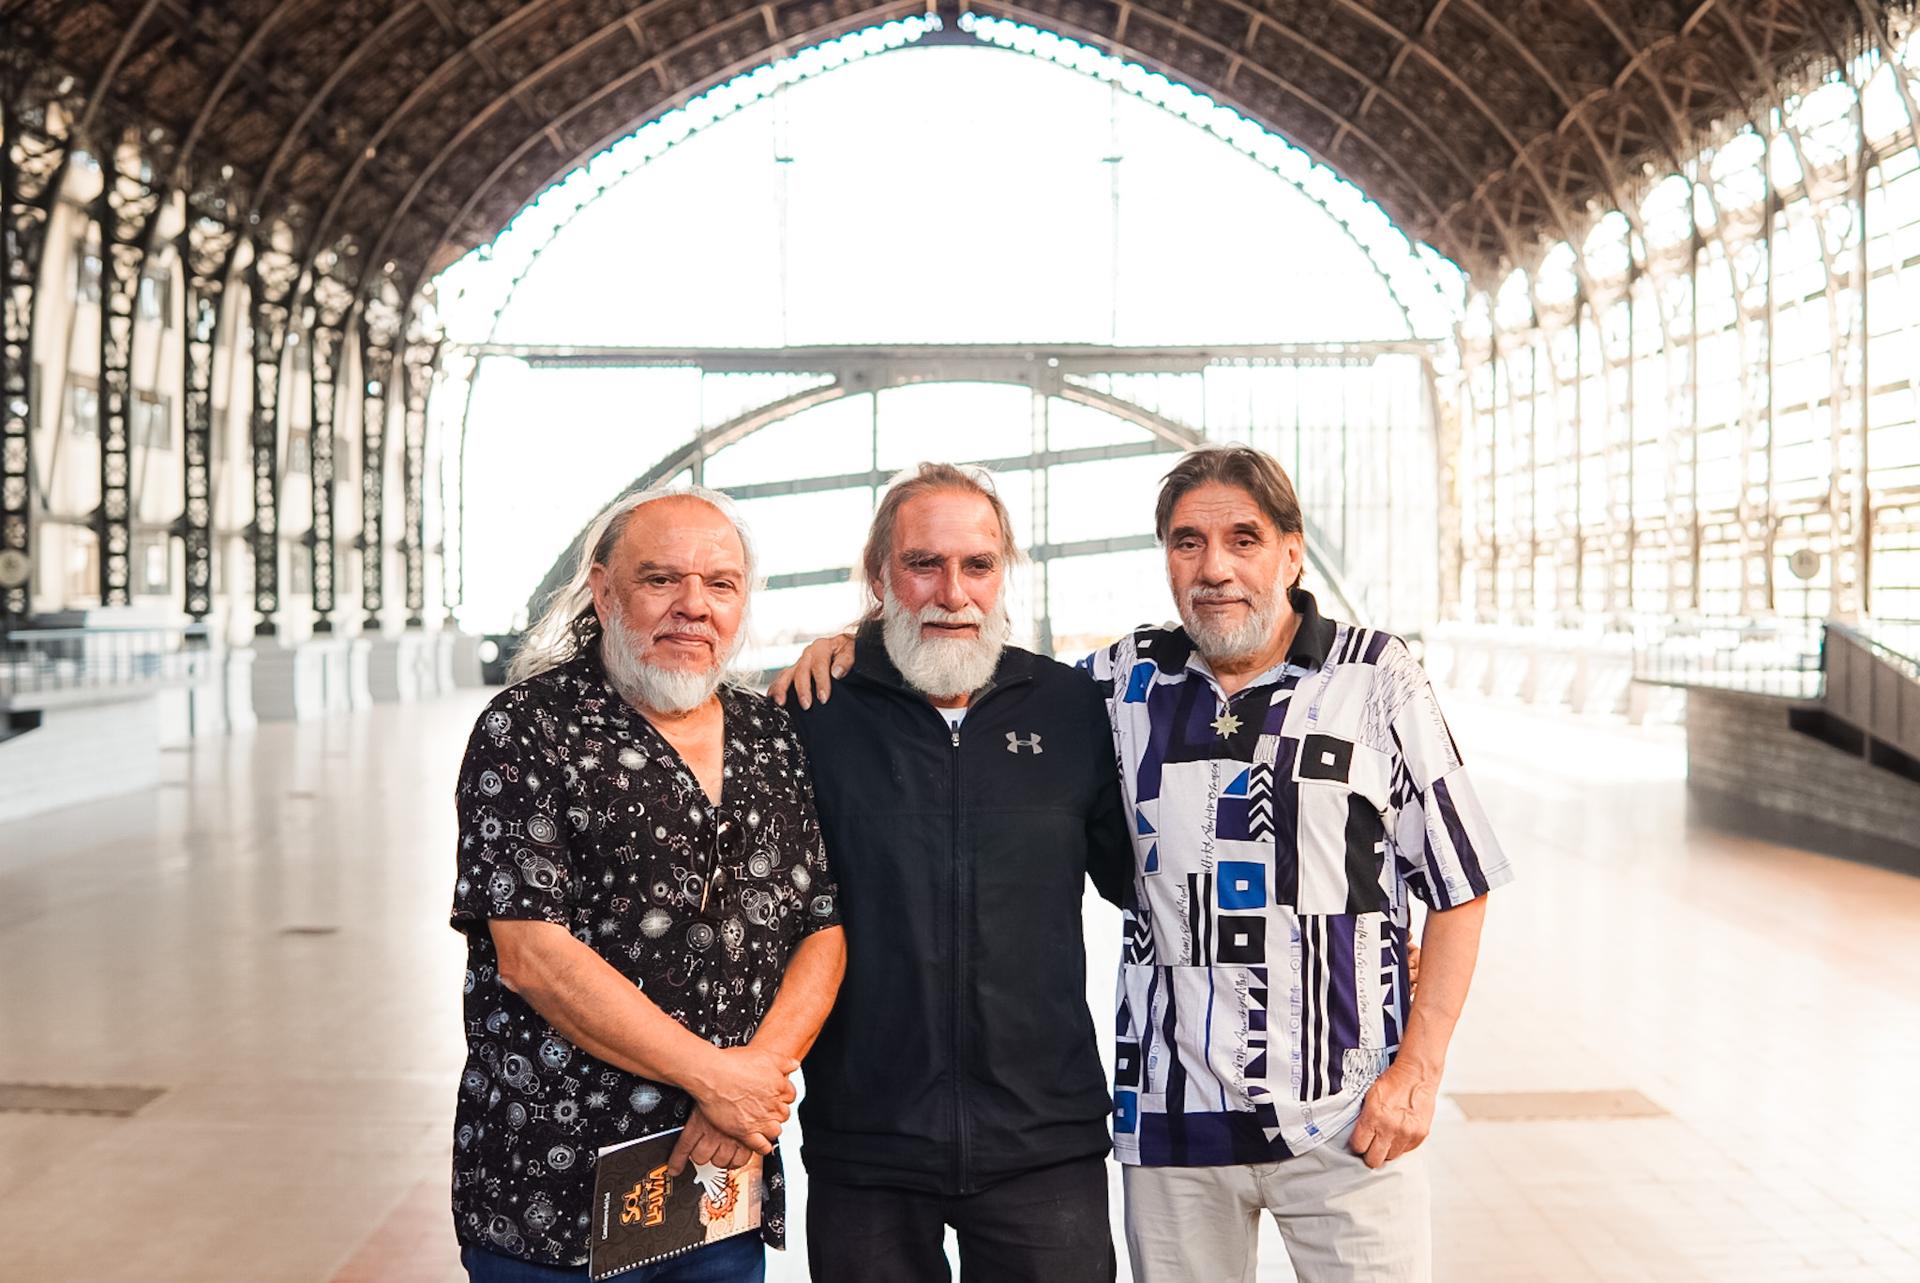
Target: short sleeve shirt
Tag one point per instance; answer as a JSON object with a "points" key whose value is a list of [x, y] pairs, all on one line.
{"points": [[1278, 835], [574, 810]]}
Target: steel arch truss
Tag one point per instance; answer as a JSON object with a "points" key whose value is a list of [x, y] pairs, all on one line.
{"points": [[1070, 373], [420, 128]]}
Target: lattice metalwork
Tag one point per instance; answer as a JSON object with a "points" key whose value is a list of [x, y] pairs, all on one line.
{"points": [[330, 303], [270, 283], [33, 156], [421, 358], [422, 129], [126, 212], [206, 246], [380, 325]]}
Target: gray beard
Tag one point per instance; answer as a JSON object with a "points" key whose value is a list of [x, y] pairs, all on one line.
{"points": [[650, 687], [1217, 644], [944, 667]]}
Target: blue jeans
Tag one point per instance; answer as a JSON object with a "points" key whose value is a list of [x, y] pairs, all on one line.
{"points": [[740, 1259]]}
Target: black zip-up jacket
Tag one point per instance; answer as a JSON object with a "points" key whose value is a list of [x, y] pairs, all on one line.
{"points": [[960, 1051]]}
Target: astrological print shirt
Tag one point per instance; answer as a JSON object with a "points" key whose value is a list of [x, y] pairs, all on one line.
{"points": [[1277, 834], [574, 810]]}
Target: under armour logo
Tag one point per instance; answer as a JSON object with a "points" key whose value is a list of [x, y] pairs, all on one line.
{"points": [[1015, 743]]}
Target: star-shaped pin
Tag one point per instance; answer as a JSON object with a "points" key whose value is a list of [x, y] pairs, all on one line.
{"points": [[1226, 724]]}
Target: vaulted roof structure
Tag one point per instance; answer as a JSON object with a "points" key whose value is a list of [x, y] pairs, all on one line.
{"points": [[414, 130]]}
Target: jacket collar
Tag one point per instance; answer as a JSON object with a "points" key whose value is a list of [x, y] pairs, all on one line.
{"points": [[1315, 636], [871, 661]]}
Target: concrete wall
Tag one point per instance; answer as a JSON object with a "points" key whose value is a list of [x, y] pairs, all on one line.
{"points": [[79, 754], [1750, 771]]}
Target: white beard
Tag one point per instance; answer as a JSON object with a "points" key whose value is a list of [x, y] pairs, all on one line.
{"points": [[1217, 643], [944, 667], [649, 686]]}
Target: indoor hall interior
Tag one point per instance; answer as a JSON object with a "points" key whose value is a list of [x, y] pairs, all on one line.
{"points": [[1587, 333], [1682, 1060]]}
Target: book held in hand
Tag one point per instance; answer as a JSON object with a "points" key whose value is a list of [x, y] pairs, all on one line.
{"points": [[641, 1215]]}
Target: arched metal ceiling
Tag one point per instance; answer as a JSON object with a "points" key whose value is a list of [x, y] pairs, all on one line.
{"points": [[417, 129]]}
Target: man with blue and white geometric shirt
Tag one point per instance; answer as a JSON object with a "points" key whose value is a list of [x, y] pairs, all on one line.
{"points": [[1291, 781]]}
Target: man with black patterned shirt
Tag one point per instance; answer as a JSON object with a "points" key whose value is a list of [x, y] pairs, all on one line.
{"points": [[653, 933]]}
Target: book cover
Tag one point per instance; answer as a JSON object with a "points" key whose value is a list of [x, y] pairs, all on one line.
{"points": [[642, 1215]]}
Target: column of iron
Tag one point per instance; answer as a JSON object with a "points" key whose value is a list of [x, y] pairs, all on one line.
{"points": [[453, 506], [422, 356], [33, 159], [270, 283], [206, 247], [330, 301], [379, 331], [127, 211]]}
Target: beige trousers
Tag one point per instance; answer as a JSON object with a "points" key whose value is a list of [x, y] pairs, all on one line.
{"points": [[1342, 1222]]}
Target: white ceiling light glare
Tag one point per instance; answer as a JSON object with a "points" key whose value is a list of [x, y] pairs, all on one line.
{"points": [[1429, 288], [478, 286]]}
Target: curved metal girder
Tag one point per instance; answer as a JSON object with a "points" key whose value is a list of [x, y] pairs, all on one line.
{"points": [[255, 39], [112, 69], [815, 36], [879, 14], [1376, 88], [438, 78], [1522, 153]]}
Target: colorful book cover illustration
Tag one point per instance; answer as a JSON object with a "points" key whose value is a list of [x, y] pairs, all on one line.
{"points": [[642, 1215]]}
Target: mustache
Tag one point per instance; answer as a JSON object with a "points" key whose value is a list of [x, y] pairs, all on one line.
{"points": [[1199, 595], [703, 631], [936, 615]]}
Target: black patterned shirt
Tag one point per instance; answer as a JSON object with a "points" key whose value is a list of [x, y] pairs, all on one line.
{"points": [[574, 810]]}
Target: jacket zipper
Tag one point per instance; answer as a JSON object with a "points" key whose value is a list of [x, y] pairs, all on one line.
{"points": [[959, 972], [956, 1003]]}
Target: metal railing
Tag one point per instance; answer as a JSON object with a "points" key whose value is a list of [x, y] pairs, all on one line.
{"points": [[1873, 686], [1779, 658], [1892, 641], [39, 663]]}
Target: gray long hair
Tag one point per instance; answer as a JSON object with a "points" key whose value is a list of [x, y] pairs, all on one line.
{"points": [[552, 641]]}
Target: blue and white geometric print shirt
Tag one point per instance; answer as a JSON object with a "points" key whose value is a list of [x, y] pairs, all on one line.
{"points": [[1277, 832]]}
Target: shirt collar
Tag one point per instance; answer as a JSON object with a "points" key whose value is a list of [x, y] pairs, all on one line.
{"points": [[1311, 641]]}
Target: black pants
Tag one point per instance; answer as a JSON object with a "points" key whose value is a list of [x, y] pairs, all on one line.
{"points": [[1048, 1226]]}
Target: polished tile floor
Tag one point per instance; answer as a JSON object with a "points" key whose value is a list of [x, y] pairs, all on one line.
{"points": [[263, 938]]}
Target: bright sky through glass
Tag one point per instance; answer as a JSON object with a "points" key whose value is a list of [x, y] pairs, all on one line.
{"points": [[924, 196]]}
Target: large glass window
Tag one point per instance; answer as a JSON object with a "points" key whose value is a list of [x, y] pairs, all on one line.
{"points": [[788, 213]]}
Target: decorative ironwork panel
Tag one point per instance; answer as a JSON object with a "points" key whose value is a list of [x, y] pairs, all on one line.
{"points": [[458, 371], [127, 211], [379, 333], [422, 356], [206, 246], [332, 300], [33, 155], [270, 280]]}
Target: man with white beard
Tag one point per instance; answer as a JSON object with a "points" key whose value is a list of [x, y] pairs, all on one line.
{"points": [[967, 790], [1289, 783], [652, 932]]}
